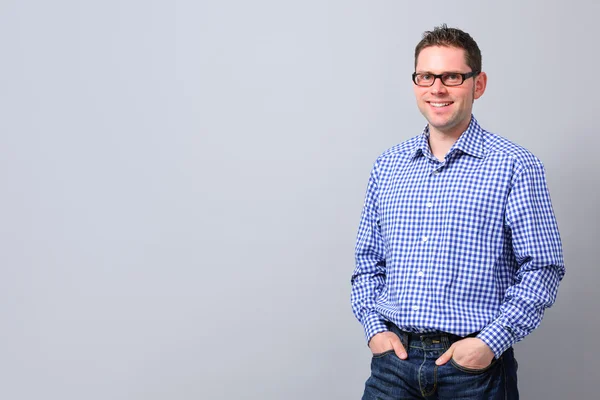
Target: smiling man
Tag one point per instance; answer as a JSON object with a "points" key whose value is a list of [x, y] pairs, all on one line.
{"points": [[458, 252]]}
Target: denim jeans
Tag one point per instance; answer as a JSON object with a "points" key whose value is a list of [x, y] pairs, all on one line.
{"points": [[418, 377]]}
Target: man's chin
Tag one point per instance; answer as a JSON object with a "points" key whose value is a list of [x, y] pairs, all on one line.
{"points": [[448, 129], [441, 124]]}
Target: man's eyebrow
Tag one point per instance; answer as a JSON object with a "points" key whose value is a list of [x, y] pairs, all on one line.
{"points": [[444, 72]]}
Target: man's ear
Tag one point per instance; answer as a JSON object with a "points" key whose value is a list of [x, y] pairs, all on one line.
{"points": [[480, 84]]}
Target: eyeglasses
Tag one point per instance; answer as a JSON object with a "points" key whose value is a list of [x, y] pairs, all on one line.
{"points": [[426, 79]]}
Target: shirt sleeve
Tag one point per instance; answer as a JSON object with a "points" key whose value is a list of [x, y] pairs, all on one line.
{"points": [[537, 249], [368, 278]]}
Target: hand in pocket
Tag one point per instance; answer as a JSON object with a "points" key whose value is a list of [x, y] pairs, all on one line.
{"points": [[385, 341]]}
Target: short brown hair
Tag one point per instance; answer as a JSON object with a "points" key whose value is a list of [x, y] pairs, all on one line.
{"points": [[451, 37]]}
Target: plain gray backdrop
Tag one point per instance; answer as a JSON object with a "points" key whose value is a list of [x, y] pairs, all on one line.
{"points": [[181, 184]]}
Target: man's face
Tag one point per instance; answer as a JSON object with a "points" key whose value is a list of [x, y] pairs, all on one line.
{"points": [[447, 109]]}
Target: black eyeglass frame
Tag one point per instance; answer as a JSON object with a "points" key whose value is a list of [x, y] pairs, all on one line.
{"points": [[464, 77]]}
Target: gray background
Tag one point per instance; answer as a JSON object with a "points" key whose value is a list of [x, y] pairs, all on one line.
{"points": [[181, 184]]}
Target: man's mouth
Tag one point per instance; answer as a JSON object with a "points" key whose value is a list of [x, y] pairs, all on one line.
{"points": [[439, 104]]}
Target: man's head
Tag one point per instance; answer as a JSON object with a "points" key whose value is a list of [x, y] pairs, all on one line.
{"points": [[448, 79], [442, 36]]}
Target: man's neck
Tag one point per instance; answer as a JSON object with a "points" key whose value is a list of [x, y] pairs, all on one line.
{"points": [[441, 142]]}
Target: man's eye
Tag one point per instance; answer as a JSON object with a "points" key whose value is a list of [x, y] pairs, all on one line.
{"points": [[425, 77], [452, 77]]}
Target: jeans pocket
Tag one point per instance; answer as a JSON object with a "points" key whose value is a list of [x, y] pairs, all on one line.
{"points": [[385, 353], [474, 370]]}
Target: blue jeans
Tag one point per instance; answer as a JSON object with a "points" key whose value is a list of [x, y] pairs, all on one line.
{"points": [[418, 377]]}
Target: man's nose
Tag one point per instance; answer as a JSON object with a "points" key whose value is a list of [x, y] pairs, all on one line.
{"points": [[438, 87]]}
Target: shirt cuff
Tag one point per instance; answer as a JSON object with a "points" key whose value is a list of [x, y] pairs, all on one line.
{"points": [[373, 324], [498, 337]]}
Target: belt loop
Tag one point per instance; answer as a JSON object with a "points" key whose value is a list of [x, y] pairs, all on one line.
{"points": [[446, 342], [404, 339]]}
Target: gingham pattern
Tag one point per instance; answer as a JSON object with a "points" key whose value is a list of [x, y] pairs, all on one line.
{"points": [[461, 246]]}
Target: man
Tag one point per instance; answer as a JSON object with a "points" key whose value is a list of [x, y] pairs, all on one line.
{"points": [[458, 251]]}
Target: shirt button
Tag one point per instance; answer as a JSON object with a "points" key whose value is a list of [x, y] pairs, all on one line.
{"points": [[420, 273], [429, 204], [424, 238], [435, 172], [415, 308]]}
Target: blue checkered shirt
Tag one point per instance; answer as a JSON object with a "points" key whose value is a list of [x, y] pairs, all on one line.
{"points": [[468, 244]]}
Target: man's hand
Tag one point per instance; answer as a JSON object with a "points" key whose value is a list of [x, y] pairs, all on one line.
{"points": [[469, 353], [384, 341]]}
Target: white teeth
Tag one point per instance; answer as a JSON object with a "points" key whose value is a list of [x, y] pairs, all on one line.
{"points": [[440, 104]]}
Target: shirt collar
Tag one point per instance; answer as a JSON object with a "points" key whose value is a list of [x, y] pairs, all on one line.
{"points": [[470, 142]]}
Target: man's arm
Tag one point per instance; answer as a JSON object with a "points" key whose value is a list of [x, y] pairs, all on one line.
{"points": [[368, 278], [537, 248]]}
